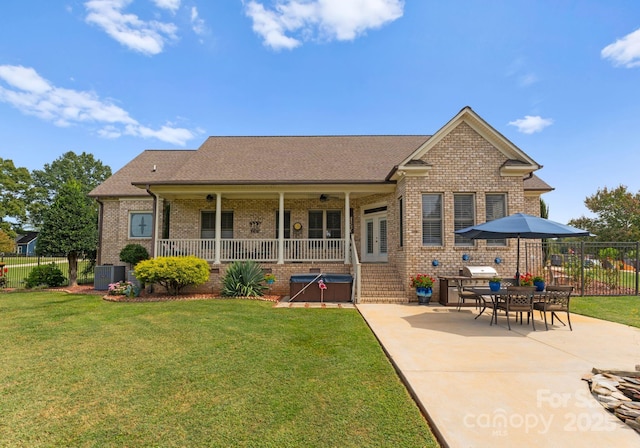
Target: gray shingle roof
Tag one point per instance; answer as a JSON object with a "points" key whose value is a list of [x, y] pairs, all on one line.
{"points": [[328, 159], [537, 184], [271, 160], [140, 169]]}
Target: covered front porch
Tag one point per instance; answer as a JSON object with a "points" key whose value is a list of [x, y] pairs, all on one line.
{"points": [[269, 224]]}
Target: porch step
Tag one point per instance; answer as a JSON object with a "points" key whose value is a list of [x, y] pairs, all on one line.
{"points": [[381, 283]]}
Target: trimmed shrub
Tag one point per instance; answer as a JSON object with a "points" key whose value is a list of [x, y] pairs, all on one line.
{"points": [[45, 275], [243, 279], [174, 273], [134, 254]]}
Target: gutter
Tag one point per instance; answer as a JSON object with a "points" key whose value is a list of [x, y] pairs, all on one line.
{"points": [[155, 220], [100, 221]]}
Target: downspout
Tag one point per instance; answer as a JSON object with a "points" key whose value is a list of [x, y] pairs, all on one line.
{"points": [[100, 222], [155, 221]]}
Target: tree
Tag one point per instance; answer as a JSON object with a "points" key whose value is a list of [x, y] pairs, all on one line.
{"points": [[617, 215], [544, 209], [14, 185], [7, 244], [69, 227], [83, 168]]}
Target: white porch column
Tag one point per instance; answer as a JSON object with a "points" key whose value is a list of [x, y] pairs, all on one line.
{"points": [[281, 229], [347, 230], [218, 227]]}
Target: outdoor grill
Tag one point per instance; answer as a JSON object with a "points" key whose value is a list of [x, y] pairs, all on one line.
{"points": [[469, 276], [479, 272]]}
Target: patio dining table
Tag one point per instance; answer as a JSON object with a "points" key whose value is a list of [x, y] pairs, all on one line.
{"points": [[494, 296]]}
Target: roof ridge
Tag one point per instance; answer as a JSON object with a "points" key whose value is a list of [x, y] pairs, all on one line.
{"points": [[318, 135]]}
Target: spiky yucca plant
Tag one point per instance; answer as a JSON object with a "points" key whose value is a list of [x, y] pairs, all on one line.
{"points": [[243, 279]]}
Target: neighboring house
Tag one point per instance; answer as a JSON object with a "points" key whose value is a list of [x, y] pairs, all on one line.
{"points": [[26, 244], [308, 204]]}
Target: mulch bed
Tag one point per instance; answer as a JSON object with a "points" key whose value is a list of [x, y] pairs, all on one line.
{"points": [[169, 298], [155, 297]]}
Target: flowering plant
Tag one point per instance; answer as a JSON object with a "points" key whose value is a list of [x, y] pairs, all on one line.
{"points": [[123, 288], [3, 275], [422, 281], [495, 279], [526, 279], [538, 278], [269, 278]]}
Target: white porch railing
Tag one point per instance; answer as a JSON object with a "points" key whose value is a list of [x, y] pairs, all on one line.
{"points": [[313, 250], [264, 250], [201, 248]]}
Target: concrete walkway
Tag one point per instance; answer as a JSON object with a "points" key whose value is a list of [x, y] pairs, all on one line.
{"points": [[484, 385]]}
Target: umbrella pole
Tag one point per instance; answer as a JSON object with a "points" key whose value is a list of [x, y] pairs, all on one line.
{"points": [[518, 264]]}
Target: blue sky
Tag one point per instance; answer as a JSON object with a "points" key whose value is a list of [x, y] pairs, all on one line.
{"points": [[559, 78]]}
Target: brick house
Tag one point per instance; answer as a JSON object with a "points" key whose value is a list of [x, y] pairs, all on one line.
{"points": [[382, 208]]}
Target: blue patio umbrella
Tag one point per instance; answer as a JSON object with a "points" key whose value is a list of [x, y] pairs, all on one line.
{"points": [[520, 225]]}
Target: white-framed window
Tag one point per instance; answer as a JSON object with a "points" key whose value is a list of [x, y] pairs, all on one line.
{"points": [[496, 207], [325, 224], [140, 224], [208, 224], [463, 216], [432, 220]]}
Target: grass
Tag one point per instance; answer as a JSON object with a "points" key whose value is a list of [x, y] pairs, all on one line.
{"points": [[79, 371], [621, 309], [20, 268]]}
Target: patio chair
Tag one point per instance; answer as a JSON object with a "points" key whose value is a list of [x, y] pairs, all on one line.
{"points": [[464, 295], [519, 299], [556, 300]]}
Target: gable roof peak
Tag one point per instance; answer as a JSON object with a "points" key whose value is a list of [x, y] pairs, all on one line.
{"points": [[477, 123]]}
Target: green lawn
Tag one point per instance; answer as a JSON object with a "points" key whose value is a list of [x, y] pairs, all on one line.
{"points": [[79, 371], [19, 269], [621, 309]]}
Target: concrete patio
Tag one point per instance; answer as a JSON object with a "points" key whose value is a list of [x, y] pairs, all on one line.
{"points": [[483, 385]]}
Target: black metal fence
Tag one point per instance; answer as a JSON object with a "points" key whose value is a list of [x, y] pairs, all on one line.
{"points": [[18, 267], [593, 269]]}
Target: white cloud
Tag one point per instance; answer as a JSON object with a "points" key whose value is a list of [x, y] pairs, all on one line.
{"points": [[178, 136], [625, 51], [319, 19], [171, 5], [28, 92], [24, 78], [197, 24], [147, 37], [527, 79], [519, 70], [531, 124]]}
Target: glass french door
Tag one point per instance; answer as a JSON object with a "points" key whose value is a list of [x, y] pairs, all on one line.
{"points": [[375, 238]]}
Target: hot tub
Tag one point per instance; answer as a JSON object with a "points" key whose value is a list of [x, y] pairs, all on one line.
{"points": [[338, 287]]}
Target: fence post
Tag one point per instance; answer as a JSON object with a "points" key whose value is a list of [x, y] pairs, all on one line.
{"points": [[582, 268], [637, 262]]}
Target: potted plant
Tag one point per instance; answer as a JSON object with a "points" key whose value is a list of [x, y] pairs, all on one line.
{"points": [[526, 279], [494, 283], [269, 278], [538, 282], [424, 287]]}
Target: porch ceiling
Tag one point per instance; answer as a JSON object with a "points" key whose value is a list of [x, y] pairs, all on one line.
{"points": [[307, 192]]}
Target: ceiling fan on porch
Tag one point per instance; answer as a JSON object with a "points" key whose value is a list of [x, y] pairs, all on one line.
{"points": [[325, 197]]}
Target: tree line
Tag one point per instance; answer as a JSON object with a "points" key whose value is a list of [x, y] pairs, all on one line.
{"points": [[54, 202]]}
